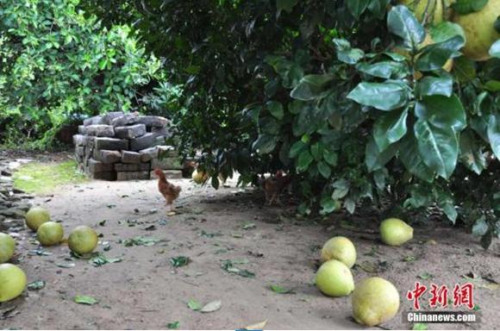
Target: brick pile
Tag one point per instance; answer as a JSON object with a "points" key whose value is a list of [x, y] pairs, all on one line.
{"points": [[124, 146]]}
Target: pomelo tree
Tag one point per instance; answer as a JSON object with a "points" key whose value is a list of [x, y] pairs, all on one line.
{"points": [[356, 99]]}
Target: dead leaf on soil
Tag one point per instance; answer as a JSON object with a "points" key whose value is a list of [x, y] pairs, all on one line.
{"points": [[8, 312], [85, 300], [425, 276], [369, 267], [36, 285], [248, 226], [171, 213], [281, 290], [100, 259], [194, 304], [256, 326], [179, 261], [65, 265], [211, 306], [229, 267]]}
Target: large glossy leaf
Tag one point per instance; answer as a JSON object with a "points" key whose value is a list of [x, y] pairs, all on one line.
{"points": [[431, 85], [470, 152], [296, 148], [402, 23], [464, 7], [433, 57], [495, 49], [286, 5], [442, 112], [383, 96], [357, 7], [464, 69], [445, 31], [324, 169], [312, 87], [375, 159], [389, 128], [494, 133], [413, 162], [265, 143], [438, 147], [276, 109], [347, 54], [384, 69], [304, 161]]}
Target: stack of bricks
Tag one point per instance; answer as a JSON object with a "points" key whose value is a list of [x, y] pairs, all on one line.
{"points": [[124, 146]]}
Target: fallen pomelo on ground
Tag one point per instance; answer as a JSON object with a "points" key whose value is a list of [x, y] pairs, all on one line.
{"points": [[199, 177], [50, 233], [82, 240], [479, 30], [395, 232], [334, 279], [36, 216], [12, 281], [7, 247], [374, 301], [341, 249]]}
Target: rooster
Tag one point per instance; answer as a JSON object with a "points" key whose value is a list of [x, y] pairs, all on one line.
{"points": [[274, 185], [168, 190]]}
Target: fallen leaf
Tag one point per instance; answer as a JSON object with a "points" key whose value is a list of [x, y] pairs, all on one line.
{"points": [[236, 235], [65, 265], [100, 259], [425, 276], [194, 304], [140, 241], [111, 206], [171, 213], [179, 261], [228, 266], [36, 285], [150, 228], [368, 266], [85, 300], [248, 226], [211, 306], [281, 290], [102, 223], [173, 325], [409, 258], [256, 326]]}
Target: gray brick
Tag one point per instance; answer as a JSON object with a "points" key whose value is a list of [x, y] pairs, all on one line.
{"points": [[112, 144], [93, 120], [81, 129], [148, 154], [167, 151], [160, 132], [97, 166], [131, 157], [134, 175], [80, 150], [131, 131], [153, 121], [79, 140], [100, 130], [123, 120], [124, 167], [143, 142], [168, 163], [170, 174], [104, 175], [109, 117], [110, 156]]}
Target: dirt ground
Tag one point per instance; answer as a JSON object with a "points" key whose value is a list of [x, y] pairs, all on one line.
{"points": [[144, 290]]}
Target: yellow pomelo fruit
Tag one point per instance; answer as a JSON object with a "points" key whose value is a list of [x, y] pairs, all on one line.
{"points": [[12, 281], [395, 232], [479, 30], [36, 216], [199, 177], [7, 247], [341, 249], [334, 279], [82, 240], [50, 233], [374, 301], [428, 11]]}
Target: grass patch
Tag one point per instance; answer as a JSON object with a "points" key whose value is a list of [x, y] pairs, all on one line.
{"points": [[37, 177]]}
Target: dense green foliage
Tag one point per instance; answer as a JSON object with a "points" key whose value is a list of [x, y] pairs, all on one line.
{"points": [[315, 87], [58, 64]]}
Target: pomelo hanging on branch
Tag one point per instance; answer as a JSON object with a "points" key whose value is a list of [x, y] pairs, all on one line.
{"points": [[480, 32]]}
